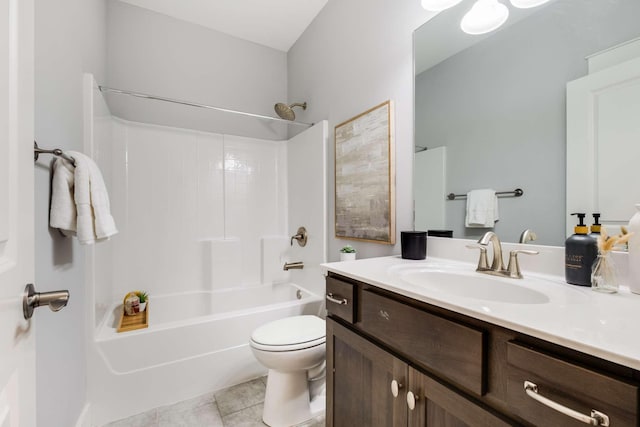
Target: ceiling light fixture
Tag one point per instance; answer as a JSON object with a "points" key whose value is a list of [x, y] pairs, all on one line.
{"points": [[439, 5], [526, 4], [484, 16]]}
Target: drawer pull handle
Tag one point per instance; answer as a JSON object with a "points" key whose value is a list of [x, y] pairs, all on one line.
{"points": [[395, 388], [411, 400], [336, 299], [596, 418]]}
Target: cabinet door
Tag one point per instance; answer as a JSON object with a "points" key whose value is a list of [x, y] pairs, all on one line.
{"points": [[436, 405], [359, 382]]}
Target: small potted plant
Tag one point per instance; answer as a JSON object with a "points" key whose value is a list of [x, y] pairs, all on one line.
{"points": [[347, 253], [144, 297]]}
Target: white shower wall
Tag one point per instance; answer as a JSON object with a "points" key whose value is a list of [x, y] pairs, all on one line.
{"points": [[198, 211], [306, 171], [183, 200]]}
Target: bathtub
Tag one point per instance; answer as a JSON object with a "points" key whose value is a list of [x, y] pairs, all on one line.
{"points": [[196, 342]]}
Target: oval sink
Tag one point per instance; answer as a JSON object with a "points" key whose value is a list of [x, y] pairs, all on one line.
{"points": [[475, 285]]}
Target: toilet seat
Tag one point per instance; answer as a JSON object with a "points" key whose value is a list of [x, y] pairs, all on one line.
{"points": [[290, 347], [290, 334]]}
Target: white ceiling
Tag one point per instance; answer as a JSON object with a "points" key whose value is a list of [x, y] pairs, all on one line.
{"points": [[274, 23]]}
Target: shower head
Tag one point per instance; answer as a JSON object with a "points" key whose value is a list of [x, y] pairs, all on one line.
{"points": [[286, 111]]}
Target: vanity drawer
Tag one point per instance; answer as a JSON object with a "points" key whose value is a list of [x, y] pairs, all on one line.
{"points": [[448, 349], [569, 384], [340, 297]]}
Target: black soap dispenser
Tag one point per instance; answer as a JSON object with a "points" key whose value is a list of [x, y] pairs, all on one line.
{"points": [[596, 227], [580, 251]]}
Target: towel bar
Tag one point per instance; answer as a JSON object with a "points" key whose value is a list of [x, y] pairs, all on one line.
{"points": [[56, 152], [515, 193]]}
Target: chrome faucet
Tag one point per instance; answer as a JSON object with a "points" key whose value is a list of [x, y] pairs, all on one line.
{"points": [[528, 235], [298, 265], [497, 264], [490, 237]]}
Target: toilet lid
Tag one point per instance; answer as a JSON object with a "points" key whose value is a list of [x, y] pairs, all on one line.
{"points": [[290, 330]]}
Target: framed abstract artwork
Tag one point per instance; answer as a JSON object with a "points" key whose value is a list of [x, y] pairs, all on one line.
{"points": [[365, 177]]}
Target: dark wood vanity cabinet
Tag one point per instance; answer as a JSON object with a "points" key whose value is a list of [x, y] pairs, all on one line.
{"points": [[360, 380], [395, 361], [363, 393], [439, 406]]}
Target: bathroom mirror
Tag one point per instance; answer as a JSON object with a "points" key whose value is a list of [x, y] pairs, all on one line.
{"points": [[491, 111]]}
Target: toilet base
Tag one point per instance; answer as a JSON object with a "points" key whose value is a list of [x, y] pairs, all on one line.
{"points": [[286, 401], [318, 406]]}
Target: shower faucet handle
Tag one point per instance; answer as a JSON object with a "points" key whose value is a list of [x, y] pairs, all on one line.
{"points": [[300, 236]]}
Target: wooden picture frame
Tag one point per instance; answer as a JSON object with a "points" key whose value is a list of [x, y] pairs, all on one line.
{"points": [[365, 177]]}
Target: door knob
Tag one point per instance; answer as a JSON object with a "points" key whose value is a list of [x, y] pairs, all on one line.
{"points": [[31, 300]]}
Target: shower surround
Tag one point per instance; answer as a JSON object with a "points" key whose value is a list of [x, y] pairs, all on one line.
{"points": [[202, 217]]}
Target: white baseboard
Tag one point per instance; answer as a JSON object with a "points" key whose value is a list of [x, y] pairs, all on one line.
{"points": [[84, 420]]}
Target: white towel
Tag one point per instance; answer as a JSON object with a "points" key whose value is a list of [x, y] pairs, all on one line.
{"points": [[79, 200], [482, 209]]}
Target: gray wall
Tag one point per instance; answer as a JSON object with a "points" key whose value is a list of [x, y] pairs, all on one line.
{"points": [[70, 38], [355, 55], [499, 108], [156, 54]]}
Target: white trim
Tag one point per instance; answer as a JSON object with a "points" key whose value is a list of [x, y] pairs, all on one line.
{"points": [[614, 55]]}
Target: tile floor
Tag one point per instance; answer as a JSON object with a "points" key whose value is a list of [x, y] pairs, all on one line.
{"points": [[237, 406]]}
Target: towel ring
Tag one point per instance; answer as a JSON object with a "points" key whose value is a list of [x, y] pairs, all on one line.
{"points": [[56, 152]]}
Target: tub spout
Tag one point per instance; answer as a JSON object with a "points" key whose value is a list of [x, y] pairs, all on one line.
{"points": [[298, 265]]}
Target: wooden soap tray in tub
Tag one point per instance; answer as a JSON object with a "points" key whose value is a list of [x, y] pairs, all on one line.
{"points": [[136, 321]]}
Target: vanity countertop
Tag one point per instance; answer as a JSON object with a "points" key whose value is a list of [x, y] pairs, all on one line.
{"points": [[603, 325]]}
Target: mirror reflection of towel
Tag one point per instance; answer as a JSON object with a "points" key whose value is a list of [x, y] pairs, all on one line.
{"points": [[482, 209]]}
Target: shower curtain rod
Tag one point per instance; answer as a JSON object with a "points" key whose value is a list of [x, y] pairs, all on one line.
{"points": [[194, 104]]}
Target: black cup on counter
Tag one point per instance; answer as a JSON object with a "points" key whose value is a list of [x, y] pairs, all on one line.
{"points": [[413, 244]]}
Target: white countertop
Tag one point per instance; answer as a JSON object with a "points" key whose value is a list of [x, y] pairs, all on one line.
{"points": [[603, 325]]}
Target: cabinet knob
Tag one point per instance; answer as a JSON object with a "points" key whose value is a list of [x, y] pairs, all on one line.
{"points": [[395, 387], [411, 400]]}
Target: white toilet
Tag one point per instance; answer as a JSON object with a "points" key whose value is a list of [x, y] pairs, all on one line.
{"points": [[293, 349]]}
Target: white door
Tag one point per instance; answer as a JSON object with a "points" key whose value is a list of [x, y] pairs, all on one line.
{"points": [[603, 131], [17, 336]]}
